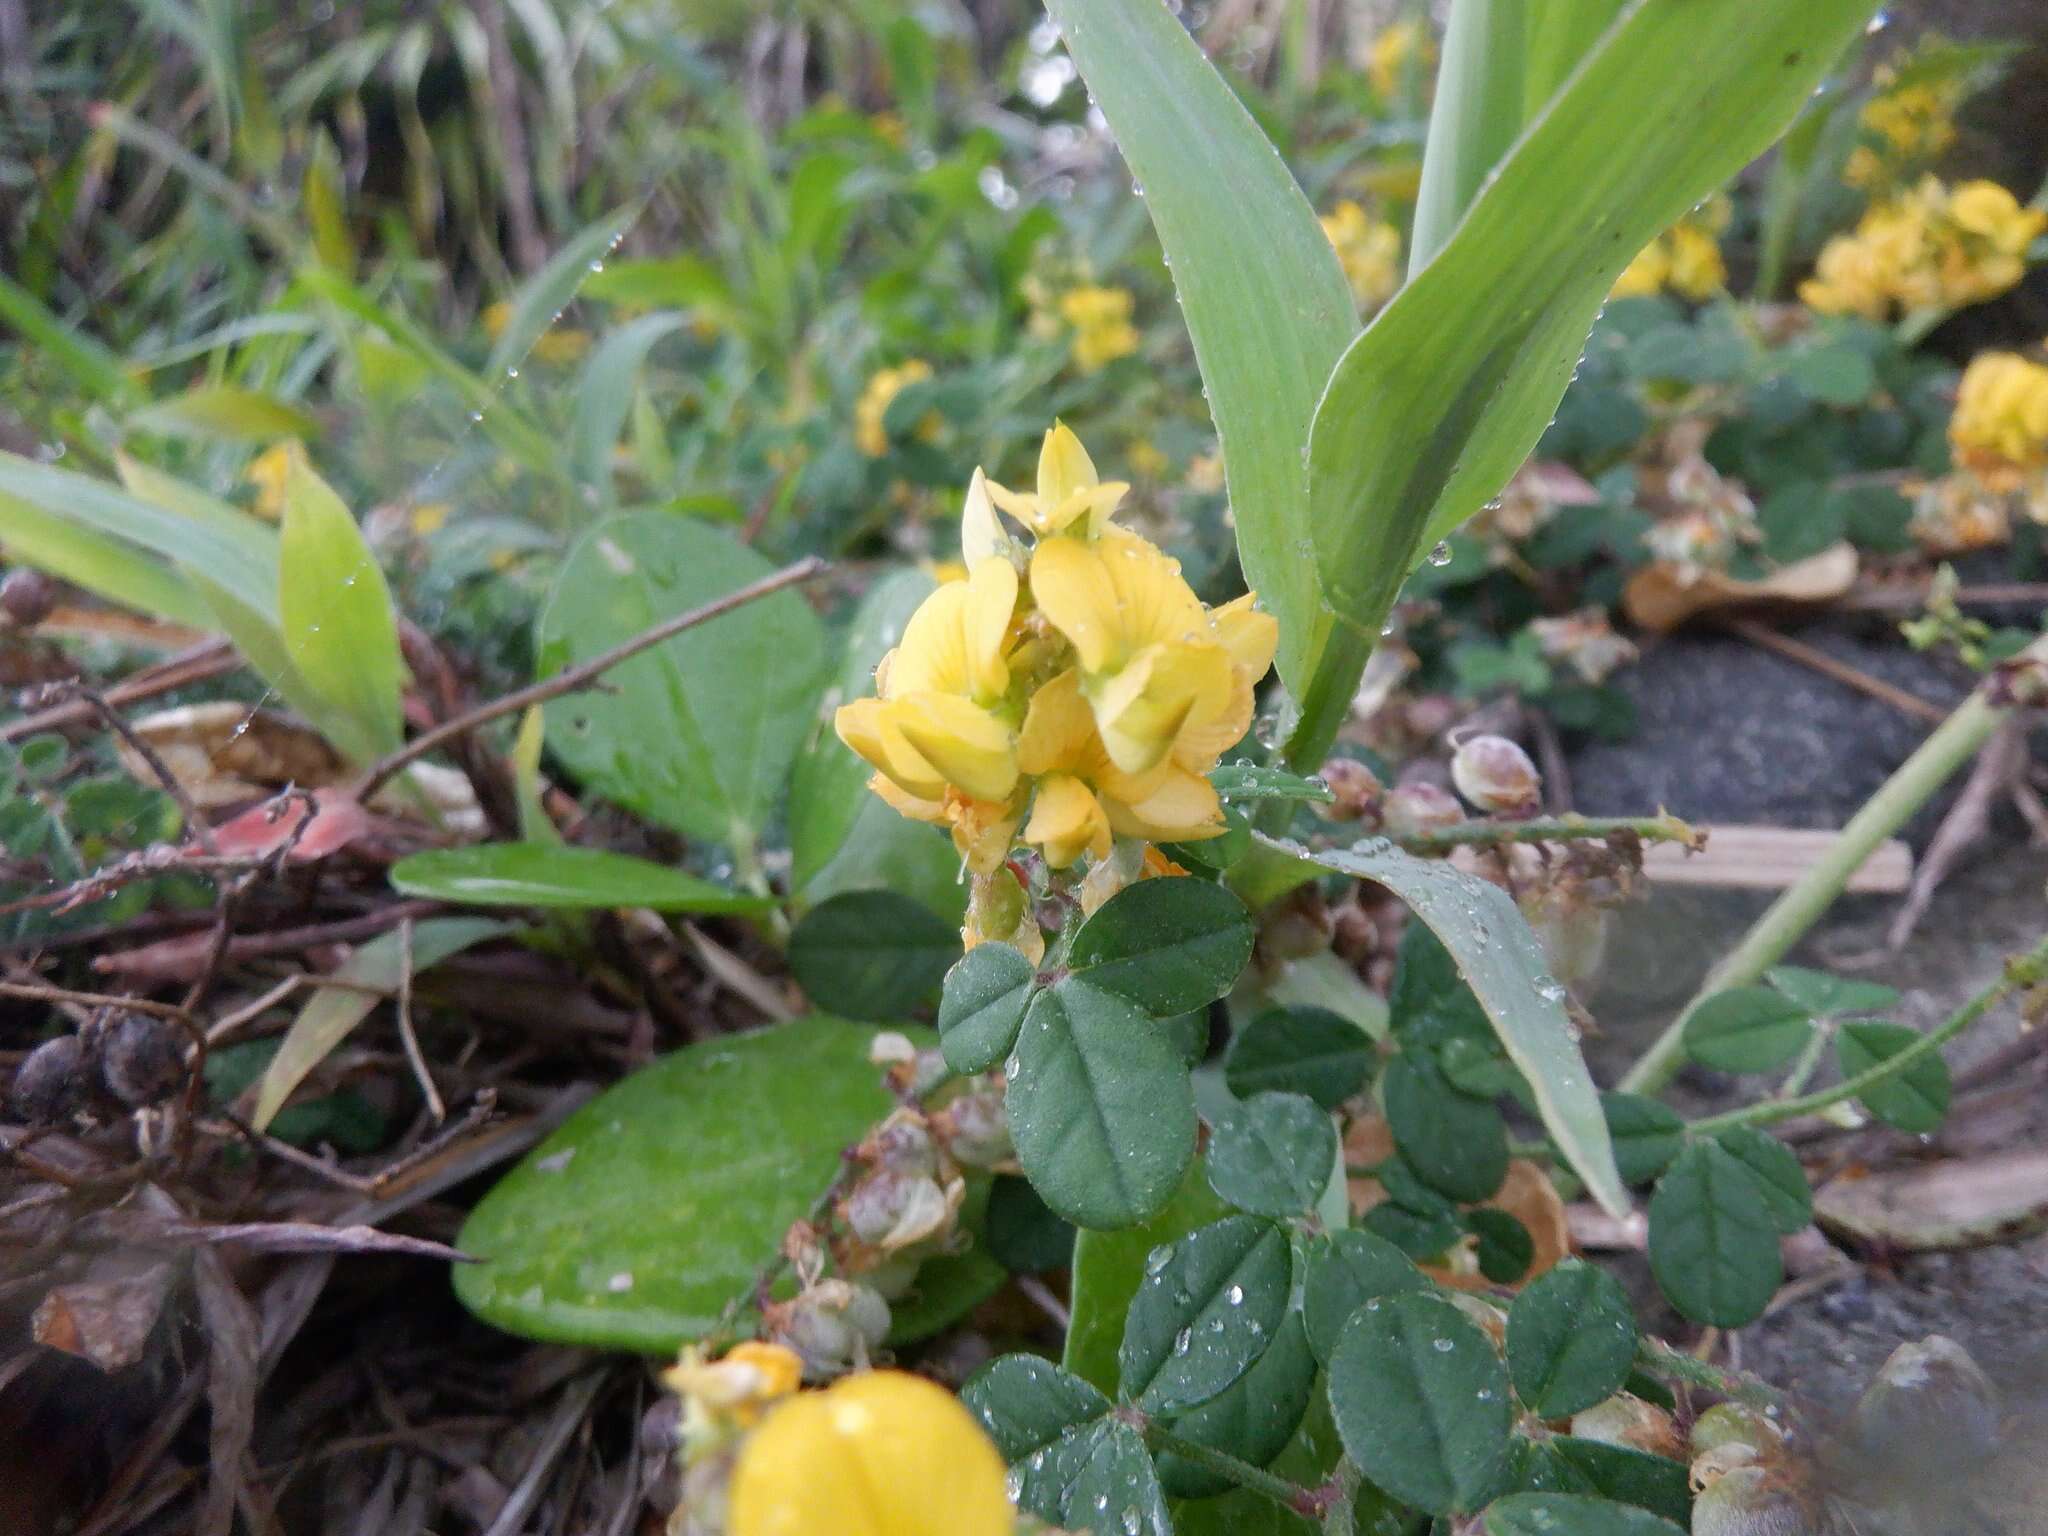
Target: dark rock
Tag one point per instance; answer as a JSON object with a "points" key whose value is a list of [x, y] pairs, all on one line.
{"points": [[1730, 732]]}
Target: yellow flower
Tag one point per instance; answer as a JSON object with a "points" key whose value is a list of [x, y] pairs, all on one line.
{"points": [[1907, 126], [730, 1394], [1397, 47], [1101, 318], [1686, 258], [869, 435], [1647, 274], [1369, 251], [563, 345], [1075, 685], [1147, 459], [2000, 425], [883, 1453], [267, 472], [1932, 248]]}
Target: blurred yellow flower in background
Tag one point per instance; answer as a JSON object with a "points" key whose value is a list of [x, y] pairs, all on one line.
{"points": [[1908, 124], [1369, 251], [2000, 426], [267, 472], [869, 412], [1101, 318], [1399, 49], [882, 1453], [1931, 249], [1685, 259], [557, 345]]}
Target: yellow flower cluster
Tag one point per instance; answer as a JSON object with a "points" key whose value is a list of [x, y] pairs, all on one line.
{"points": [[1932, 248], [2000, 426], [1369, 251], [869, 435], [1685, 259], [1398, 49], [557, 345], [1909, 124], [1101, 318], [1076, 681]]}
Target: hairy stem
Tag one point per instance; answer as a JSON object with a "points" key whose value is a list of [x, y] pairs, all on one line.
{"points": [[2026, 971], [1785, 922], [1552, 829], [1661, 1360]]}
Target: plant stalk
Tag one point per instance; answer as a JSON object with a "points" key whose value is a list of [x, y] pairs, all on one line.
{"points": [[1292, 1495], [1954, 742], [2027, 970], [1476, 116], [1551, 829]]}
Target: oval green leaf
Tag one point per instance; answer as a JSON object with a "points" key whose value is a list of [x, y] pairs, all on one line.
{"points": [[697, 733], [1310, 1051], [1027, 1404], [872, 954], [1747, 1029], [1826, 996], [1252, 1419], [982, 1006], [563, 878], [1713, 1243], [1914, 1099], [1571, 1340], [1422, 1402], [634, 1224], [1210, 1305], [1101, 1108], [1547, 1514], [1272, 1154], [1347, 1269], [1646, 1134], [1779, 1178], [1169, 946], [1458, 1145]]}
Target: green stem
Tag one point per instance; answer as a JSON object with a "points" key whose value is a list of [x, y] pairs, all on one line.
{"points": [[1660, 1359], [2026, 971], [1292, 1495], [1802, 1069], [1476, 115], [1954, 742], [1549, 829]]}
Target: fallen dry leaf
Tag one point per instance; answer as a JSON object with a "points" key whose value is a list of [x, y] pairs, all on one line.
{"points": [[107, 1320], [1952, 1204], [224, 753], [1525, 1193], [1657, 599], [328, 825]]}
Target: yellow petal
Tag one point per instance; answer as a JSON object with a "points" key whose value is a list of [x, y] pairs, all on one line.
{"points": [[903, 803], [1067, 821], [1183, 809], [981, 536], [969, 746], [1250, 636], [883, 1453], [1059, 729], [984, 831], [1072, 587], [953, 643], [992, 597], [1019, 504], [870, 727], [1063, 467], [1209, 734], [1142, 709]]}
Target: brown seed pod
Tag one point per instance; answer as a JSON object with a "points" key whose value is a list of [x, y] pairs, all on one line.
{"points": [[49, 1086], [1496, 776], [142, 1058], [27, 597]]}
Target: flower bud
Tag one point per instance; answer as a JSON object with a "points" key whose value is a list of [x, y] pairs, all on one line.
{"points": [[1627, 1420], [1356, 788], [891, 1211], [27, 597], [1748, 1501], [834, 1325], [1496, 776], [1415, 809]]}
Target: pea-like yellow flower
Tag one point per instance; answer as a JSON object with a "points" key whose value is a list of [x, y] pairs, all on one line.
{"points": [[556, 345], [1073, 685], [1905, 125], [1399, 48], [882, 1453], [1685, 259], [729, 1394], [881, 390], [1369, 251], [267, 472], [1101, 318], [1932, 248], [2000, 426]]}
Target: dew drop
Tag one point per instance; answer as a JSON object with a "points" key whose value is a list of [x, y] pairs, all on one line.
{"points": [[1235, 1295], [1442, 1346], [1441, 555]]}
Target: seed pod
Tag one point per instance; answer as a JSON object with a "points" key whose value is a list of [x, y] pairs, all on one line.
{"points": [[1929, 1401], [1626, 1420], [142, 1058], [49, 1085], [1496, 776], [1727, 1424], [27, 597], [1357, 789], [1413, 809], [835, 1325], [1750, 1501]]}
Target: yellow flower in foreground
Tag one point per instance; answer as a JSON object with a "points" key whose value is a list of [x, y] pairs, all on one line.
{"points": [[2000, 424], [1403, 46], [1077, 687], [1101, 318], [883, 1453], [1933, 248], [267, 472], [869, 435], [1369, 251]]}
